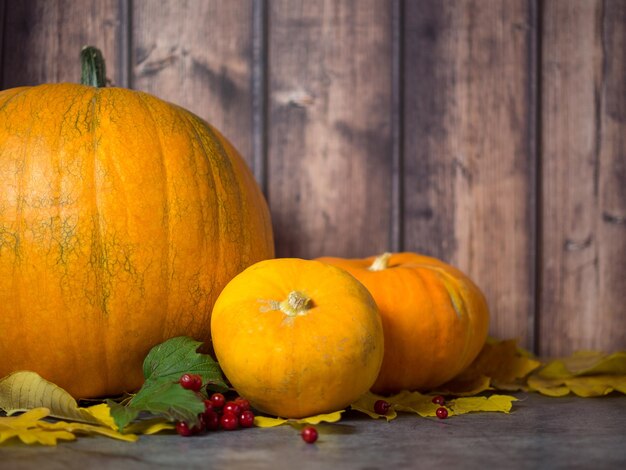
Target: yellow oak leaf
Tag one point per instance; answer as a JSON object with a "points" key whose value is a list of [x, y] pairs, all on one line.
{"points": [[25, 390], [25, 427]]}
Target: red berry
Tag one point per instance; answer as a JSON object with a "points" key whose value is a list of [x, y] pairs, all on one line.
{"points": [[183, 429], [211, 420], [218, 400], [229, 421], [246, 419], [201, 426], [232, 407], [244, 404], [309, 434], [208, 406], [191, 382], [442, 413], [439, 400], [381, 407]]}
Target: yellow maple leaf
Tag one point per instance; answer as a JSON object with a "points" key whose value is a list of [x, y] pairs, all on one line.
{"points": [[415, 402], [583, 386], [83, 428], [584, 373], [500, 365], [586, 363], [365, 404], [149, 426], [500, 403], [25, 427], [267, 422]]}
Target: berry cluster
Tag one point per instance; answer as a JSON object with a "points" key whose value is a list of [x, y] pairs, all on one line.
{"points": [[218, 412]]}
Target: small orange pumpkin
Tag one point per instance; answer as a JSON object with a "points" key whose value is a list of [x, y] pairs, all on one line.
{"points": [[435, 319], [297, 338]]}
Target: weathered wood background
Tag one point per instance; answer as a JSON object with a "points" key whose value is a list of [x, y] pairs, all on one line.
{"points": [[491, 133]]}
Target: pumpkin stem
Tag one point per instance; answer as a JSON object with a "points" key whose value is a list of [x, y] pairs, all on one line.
{"points": [[93, 67], [297, 303], [380, 263]]}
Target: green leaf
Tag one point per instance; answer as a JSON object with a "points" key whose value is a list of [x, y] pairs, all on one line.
{"points": [[167, 398], [178, 356], [122, 415]]}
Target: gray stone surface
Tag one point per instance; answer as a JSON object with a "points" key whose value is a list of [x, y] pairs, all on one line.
{"points": [[541, 432]]}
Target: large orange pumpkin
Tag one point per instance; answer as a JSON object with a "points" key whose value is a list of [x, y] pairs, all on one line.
{"points": [[297, 338], [435, 319], [122, 217]]}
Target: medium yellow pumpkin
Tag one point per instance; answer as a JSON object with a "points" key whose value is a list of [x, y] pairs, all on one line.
{"points": [[121, 219], [297, 338], [435, 319]]}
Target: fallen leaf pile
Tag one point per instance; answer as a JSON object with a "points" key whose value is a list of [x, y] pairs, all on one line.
{"points": [[50, 414], [586, 374], [415, 402]]}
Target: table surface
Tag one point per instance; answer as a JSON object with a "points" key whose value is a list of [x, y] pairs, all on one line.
{"points": [[540, 432]]}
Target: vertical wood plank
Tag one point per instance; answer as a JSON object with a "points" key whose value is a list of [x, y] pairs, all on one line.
{"points": [[2, 16], [329, 169], [198, 54], [583, 268], [469, 147], [43, 39]]}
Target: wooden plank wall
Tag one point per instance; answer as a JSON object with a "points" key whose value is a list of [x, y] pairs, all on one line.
{"points": [[489, 133]]}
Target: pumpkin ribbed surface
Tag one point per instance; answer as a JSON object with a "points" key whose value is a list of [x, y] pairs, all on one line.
{"points": [[435, 319], [297, 338], [121, 219]]}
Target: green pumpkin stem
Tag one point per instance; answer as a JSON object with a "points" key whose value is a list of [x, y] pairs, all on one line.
{"points": [[93, 67], [297, 303]]}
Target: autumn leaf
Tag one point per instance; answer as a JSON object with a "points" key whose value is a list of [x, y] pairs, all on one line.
{"points": [[501, 365], [267, 422], [26, 390], [365, 404], [585, 373], [415, 402], [26, 428], [585, 363], [89, 429], [150, 426], [500, 403]]}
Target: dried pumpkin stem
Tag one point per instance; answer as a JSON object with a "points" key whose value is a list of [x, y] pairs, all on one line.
{"points": [[297, 303], [93, 68], [380, 263]]}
